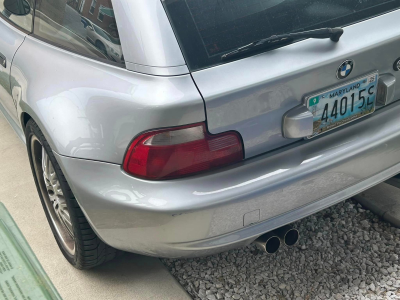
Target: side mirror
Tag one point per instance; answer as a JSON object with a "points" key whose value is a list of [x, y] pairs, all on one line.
{"points": [[90, 27], [17, 7]]}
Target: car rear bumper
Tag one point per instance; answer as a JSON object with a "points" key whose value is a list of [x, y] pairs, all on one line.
{"points": [[208, 213]]}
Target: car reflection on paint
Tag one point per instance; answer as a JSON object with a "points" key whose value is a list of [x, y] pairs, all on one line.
{"points": [[103, 41]]}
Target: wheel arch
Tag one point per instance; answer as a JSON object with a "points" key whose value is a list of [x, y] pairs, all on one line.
{"points": [[27, 113], [25, 117], [92, 110]]}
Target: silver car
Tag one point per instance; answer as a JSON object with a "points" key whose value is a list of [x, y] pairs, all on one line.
{"points": [[102, 40], [223, 121]]}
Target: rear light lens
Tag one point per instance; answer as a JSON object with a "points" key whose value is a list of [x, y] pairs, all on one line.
{"points": [[181, 151]]}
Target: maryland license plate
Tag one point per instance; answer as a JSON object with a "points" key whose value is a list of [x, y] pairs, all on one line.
{"points": [[343, 104]]}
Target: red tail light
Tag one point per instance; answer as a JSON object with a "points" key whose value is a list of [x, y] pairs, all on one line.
{"points": [[181, 151]]}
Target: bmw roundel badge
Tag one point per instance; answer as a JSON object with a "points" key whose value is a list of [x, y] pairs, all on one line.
{"points": [[345, 69]]}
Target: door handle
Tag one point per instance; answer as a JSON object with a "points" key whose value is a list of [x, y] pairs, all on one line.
{"points": [[3, 60]]}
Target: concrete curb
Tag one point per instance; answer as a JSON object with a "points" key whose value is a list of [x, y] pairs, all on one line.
{"points": [[129, 277], [177, 283], [383, 200]]}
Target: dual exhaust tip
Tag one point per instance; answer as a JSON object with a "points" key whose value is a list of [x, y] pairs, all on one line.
{"points": [[271, 241]]}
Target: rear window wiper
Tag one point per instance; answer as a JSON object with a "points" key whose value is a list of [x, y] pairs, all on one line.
{"points": [[281, 40]]}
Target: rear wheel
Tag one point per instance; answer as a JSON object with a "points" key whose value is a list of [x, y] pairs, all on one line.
{"points": [[76, 239]]}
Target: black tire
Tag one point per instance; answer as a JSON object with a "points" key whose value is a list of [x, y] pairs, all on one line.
{"points": [[89, 250]]}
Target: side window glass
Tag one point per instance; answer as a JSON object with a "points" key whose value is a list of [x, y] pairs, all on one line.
{"points": [[19, 12], [87, 27]]}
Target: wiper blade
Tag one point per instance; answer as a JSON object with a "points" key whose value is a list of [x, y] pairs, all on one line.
{"points": [[277, 41]]}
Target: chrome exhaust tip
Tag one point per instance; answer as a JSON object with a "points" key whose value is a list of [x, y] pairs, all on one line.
{"points": [[268, 242], [288, 234]]}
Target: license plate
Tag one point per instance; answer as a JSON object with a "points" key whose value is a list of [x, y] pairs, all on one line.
{"points": [[343, 104]]}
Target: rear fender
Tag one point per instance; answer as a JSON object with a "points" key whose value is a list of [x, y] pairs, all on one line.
{"points": [[92, 110]]}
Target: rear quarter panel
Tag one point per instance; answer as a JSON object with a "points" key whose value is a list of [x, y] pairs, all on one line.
{"points": [[88, 109]]}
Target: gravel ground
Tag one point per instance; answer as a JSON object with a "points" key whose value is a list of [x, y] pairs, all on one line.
{"points": [[344, 252]]}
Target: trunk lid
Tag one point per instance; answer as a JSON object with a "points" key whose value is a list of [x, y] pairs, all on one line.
{"points": [[251, 95]]}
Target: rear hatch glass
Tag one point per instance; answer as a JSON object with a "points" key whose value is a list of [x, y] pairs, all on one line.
{"points": [[206, 29]]}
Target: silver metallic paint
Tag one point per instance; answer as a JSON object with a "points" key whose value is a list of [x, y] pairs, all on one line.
{"points": [[246, 235], [16, 126], [297, 123], [10, 39], [159, 71], [93, 110], [251, 95], [147, 37], [204, 214], [386, 89]]}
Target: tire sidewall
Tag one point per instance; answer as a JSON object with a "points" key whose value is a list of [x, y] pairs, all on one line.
{"points": [[33, 130]]}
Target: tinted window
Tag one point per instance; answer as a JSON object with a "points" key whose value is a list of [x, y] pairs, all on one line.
{"points": [[19, 12], [206, 29], [74, 24]]}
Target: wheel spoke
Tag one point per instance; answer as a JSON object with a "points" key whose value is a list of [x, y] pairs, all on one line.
{"points": [[57, 189], [45, 165], [62, 204], [55, 205], [66, 219], [56, 197], [52, 174]]}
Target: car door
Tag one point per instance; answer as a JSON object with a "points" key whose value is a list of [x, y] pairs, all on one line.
{"points": [[15, 24]]}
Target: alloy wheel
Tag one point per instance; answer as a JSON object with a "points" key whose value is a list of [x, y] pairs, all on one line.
{"points": [[53, 195]]}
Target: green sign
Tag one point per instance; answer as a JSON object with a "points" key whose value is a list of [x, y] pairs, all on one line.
{"points": [[21, 275], [313, 101]]}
